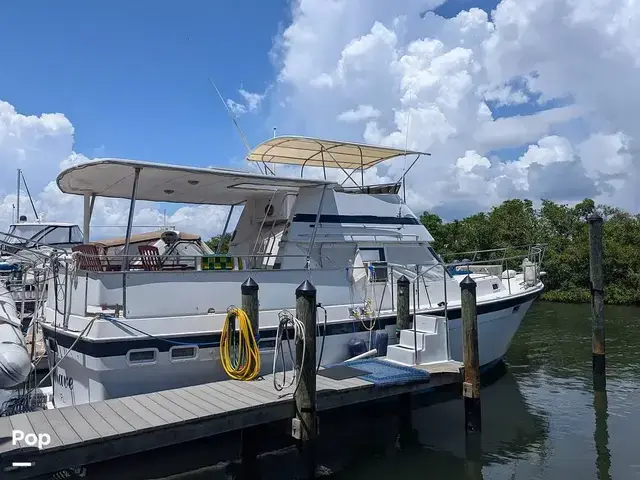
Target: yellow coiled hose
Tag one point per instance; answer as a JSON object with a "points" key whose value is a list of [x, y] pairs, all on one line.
{"points": [[239, 353]]}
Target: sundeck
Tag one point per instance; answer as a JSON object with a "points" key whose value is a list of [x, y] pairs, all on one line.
{"points": [[155, 321]]}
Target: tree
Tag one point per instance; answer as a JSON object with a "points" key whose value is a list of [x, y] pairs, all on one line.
{"points": [[223, 240], [564, 229]]}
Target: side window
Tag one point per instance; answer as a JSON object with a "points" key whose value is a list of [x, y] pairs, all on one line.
{"points": [[142, 357], [182, 353]]}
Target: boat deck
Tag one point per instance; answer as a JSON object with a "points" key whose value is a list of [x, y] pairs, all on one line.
{"points": [[90, 433]]}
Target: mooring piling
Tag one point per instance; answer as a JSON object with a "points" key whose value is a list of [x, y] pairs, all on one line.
{"points": [[471, 383], [251, 305], [403, 311], [305, 394], [405, 437], [596, 278], [249, 454]]}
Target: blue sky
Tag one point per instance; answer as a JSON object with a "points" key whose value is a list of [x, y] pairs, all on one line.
{"points": [[132, 77]]}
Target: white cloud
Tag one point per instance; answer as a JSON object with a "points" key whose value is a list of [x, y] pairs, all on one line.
{"points": [[362, 112], [42, 146], [251, 103], [430, 82]]}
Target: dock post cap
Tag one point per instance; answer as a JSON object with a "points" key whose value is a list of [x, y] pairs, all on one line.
{"points": [[403, 280], [467, 283], [306, 288], [594, 217], [249, 285]]}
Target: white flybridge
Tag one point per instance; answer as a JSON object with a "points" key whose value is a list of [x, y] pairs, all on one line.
{"points": [[155, 322]]}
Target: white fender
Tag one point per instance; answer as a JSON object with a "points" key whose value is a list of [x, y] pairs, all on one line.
{"points": [[15, 362]]}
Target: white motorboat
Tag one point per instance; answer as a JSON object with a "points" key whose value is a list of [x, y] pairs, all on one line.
{"points": [[155, 325]]}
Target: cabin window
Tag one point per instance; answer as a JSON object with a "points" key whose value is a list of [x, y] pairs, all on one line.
{"points": [[182, 353], [138, 357], [369, 255]]}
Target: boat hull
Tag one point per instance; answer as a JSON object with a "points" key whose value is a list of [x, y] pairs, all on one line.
{"points": [[90, 376]]}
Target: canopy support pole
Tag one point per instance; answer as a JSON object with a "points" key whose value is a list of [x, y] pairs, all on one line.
{"points": [[127, 241], [224, 230], [315, 228], [132, 206], [86, 217]]}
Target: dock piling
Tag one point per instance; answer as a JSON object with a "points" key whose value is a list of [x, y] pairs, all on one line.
{"points": [[471, 383], [251, 305], [597, 293], [305, 394], [406, 437], [249, 454], [403, 311]]}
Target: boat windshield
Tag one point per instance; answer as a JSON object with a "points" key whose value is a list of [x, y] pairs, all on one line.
{"points": [[44, 234]]}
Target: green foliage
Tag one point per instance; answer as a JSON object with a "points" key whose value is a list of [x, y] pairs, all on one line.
{"points": [[564, 229], [214, 241]]}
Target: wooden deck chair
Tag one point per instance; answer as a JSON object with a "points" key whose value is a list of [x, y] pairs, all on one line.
{"points": [[89, 258], [150, 257]]}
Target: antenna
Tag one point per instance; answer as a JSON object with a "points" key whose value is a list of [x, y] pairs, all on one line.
{"points": [[406, 143], [18, 197], [235, 122], [26, 187]]}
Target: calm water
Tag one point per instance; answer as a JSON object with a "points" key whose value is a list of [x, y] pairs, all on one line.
{"points": [[541, 420]]}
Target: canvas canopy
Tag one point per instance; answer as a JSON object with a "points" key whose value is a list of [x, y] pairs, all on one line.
{"points": [[313, 152]]}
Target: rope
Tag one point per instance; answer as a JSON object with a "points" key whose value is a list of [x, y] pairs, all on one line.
{"points": [[240, 360], [286, 321]]}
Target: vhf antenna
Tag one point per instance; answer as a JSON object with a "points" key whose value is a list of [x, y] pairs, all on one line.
{"points": [[235, 122]]}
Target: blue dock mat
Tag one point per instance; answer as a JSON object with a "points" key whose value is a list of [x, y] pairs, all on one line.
{"points": [[381, 372]]}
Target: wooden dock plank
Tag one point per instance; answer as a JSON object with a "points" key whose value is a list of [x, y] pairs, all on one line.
{"points": [[130, 416], [99, 424], [206, 395], [112, 418], [40, 424], [157, 407], [21, 422], [266, 385], [61, 426], [179, 405], [210, 408], [235, 403], [143, 412], [249, 391], [84, 430], [223, 388], [6, 430]]}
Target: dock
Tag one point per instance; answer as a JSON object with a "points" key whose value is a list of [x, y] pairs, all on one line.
{"points": [[90, 433]]}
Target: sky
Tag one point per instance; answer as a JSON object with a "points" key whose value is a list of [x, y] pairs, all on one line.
{"points": [[514, 98]]}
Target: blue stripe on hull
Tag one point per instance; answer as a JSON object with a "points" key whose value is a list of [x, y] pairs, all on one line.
{"points": [[120, 347]]}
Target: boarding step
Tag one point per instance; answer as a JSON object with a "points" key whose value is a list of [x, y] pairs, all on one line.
{"points": [[409, 340], [427, 323], [404, 355]]}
